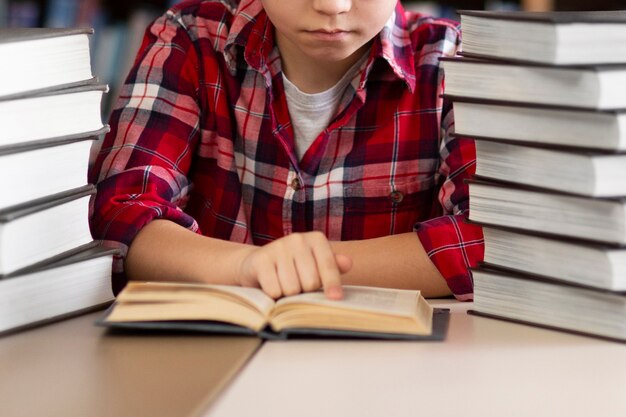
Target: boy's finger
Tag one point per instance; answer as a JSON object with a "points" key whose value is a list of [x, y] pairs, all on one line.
{"points": [[288, 276], [268, 279], [307, 271], [328, 271]]}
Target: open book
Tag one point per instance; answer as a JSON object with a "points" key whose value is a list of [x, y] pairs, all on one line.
{"points": [[363, 312]]}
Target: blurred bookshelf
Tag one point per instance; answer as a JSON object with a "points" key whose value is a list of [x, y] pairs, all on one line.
{"points": [[448, 8], [118, 26]]}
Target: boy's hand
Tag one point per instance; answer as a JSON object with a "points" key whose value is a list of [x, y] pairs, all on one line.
{"points": [[300, 262]]}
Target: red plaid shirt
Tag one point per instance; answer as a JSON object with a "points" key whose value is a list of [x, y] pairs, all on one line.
{"points": [[201, 136]]}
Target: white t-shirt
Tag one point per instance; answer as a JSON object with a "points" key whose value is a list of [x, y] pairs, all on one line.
{"points": [[311, 113]]}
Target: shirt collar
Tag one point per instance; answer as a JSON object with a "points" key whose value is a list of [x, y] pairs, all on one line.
{"points": [[252, 32]]}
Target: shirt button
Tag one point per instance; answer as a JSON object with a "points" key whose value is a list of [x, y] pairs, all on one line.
{"points": [[396, 197], [295, 184]]}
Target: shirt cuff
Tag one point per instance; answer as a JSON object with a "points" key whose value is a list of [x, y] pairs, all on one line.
{"points": [[121, 217], [454, 247]]}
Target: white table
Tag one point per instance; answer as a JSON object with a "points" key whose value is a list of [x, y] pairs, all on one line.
{"points": [[484, 368]]}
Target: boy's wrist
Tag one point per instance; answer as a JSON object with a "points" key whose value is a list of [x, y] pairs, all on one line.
{"points": [[235, 259]]}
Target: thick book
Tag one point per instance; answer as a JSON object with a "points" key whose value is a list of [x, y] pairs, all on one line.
{"points": [[535, 300], [600, 87], [551, 212], [364, 312], [556, 38], [592, 174], [569, 260], [39, 58], [39, 170], [30, 234], [588, 129], [54, 290], [52, 113]]}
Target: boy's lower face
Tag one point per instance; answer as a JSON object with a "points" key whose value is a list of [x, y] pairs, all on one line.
{"points": [[328, 30]]}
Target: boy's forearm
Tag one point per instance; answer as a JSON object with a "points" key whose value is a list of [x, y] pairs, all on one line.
{"points": [[397, 261], [166, 251]]}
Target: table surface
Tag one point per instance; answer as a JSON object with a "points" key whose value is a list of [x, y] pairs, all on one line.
{"points": [[75, 369], [485, 367]]}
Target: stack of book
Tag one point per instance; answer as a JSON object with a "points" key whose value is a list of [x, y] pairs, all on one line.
{"points": [[49, 119], [544, 94]]}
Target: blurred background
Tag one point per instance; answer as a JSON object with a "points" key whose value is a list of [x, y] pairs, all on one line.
{"points": [[119, 24]]}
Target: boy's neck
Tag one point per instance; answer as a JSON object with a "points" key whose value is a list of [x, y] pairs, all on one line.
{"points": [[312, 75]]}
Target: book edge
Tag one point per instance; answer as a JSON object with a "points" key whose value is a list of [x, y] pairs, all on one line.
{"points": [[82, 253], [25, 209], [528, 276], [567, 239], [52, 142], [15, 35], [550, 17], [55, 319], [478, 313]]}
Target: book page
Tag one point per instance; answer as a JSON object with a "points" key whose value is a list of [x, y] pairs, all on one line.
{"points": [[168, 292], [372, 299]]}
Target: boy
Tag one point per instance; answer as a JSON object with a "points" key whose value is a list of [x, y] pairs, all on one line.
{"points": [[292, 146]]}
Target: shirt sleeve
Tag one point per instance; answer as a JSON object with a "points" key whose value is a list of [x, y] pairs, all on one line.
{"points": [[453, 245], [141, 169]]}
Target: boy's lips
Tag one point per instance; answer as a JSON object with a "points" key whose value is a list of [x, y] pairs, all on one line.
{"points": [[328, 34]]}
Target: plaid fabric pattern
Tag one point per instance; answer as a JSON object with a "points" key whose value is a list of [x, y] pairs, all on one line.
{"points": [[201, 136]]}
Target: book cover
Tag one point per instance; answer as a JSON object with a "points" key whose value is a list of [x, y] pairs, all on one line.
{"points": [[54, 141], [21, 34], [441, 318], [91, 84], [16, 212]]}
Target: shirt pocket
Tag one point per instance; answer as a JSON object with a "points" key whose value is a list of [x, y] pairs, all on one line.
{"points": [[380, 209]]}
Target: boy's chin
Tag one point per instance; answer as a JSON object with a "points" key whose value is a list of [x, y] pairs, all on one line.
{"points": [[329, 57]]}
